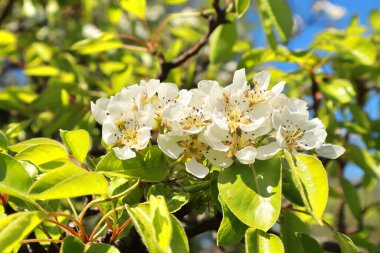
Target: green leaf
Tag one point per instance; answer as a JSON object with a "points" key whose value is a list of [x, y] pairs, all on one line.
{"points": [[3, 141], [32, 142], [260, 184], [105, 42], [175, 1], [289, 188], [68, 182], [291, 225], [137, 8], [14, 179], [179, 241], [276, 14], [257, 241], [374, 20], [231, 229], [72, 244], [340, 90], [150, 166], [351, 197], [362, 50], [101, 248], [7, 38], [221, 43], [42, 153], [309, 244], [42, 71], [159, 229], [345, 243], [311, 179], [16, 227], [242, 6], [174, 199], [77, 141]]}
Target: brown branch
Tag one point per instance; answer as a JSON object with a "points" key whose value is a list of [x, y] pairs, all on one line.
{"points": [[214, 22]]}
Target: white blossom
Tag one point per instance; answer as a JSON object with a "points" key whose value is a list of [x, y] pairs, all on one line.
{"points": [[241, 121], [125, 124], [241, 106], [194, 150], [244, 145]]}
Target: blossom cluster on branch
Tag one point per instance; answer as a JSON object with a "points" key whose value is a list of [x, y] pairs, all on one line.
{"points": [[242, 120]]}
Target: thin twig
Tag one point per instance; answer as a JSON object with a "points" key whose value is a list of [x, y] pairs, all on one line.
{"points": [[214, 22], [97, 201]]}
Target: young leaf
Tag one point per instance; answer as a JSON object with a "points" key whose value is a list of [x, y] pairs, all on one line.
{"points": [[221, 43], [16, 227], [242, 6], [14, 179], [340, 90], [105, 42], [351, 197], [3, 141], [32, 142], [159, 230], [231, 229], [345, 243], [72, 244], [42, 153], [150, 166], [68, 182], [311, 180], [257, 241], [77, 141], [134, 7], [258, 184], [276, 14]]}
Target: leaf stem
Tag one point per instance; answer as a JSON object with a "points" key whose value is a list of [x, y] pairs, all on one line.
{"points": [[63, 227], [102, 220], [72, 207]]}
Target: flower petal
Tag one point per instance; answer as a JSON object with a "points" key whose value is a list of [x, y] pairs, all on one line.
{"points": [[196, 168], [330, 151], [168, 145], [218, 158], [246, 155], [267, 151], [110, 132], [262, 79], [124, 153], [99, 109]]}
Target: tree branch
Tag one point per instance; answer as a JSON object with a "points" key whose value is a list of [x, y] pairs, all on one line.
{"points": [[214, 22]]}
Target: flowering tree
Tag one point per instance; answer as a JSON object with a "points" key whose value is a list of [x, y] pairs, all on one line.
{"points": [[147, 164]]}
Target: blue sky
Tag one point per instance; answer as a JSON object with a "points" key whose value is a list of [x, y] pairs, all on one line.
{"points": [[303, 8]]}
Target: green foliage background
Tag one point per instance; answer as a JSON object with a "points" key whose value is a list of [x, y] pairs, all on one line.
{"points": [[69, 63]]}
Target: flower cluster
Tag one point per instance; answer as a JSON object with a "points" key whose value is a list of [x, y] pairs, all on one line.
{"points": [[241, 121]]}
